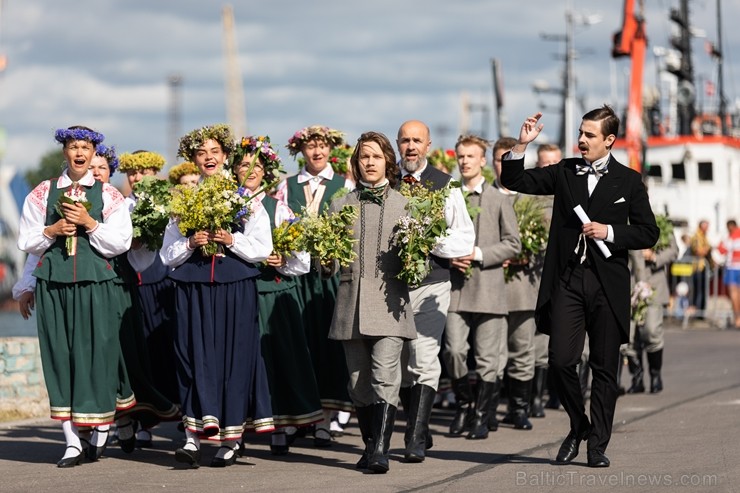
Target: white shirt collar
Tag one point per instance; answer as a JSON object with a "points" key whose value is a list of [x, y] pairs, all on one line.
{"points": [[478, 187], [416, 174], [65, 181], [327, 173], [600, 161]]}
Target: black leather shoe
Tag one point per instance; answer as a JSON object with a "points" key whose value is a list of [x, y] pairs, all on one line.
{"points": [[279, 448], [569, 448], [144, 442], [94, 452], [129, 444], [189, 457], [322, 441], [220, 462], [71, 461], [597, 458]]}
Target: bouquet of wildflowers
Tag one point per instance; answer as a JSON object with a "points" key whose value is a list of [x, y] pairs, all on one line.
{"points": [[642, 293], [287, 237], [328, 236], [533, 232], [152, 211], [215, 204], [74, 195], [419, 232], [666, 232], [445, 160]]}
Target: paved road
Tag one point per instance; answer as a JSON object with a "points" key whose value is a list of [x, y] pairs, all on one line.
{"points": [[684, 439]]}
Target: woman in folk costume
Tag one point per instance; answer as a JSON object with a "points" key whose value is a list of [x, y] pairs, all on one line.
{"points": [[75, 224], [372, 315], [146, 337], [293, 387], [220, 372], [309, 192]]}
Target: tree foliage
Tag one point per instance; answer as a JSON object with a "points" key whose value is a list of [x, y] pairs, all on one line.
{"points": [[51, 166]]}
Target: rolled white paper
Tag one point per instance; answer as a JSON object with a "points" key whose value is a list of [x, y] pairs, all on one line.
{"points": [[584, 219]]}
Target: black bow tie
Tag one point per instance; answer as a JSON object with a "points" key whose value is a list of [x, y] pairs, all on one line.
{"points": [[410, 179], [375, 195]]}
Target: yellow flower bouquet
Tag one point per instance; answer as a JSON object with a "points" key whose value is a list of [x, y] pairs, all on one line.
{"points": [[214, 204]]}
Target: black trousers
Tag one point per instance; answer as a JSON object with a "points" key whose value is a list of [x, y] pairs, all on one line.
{"points": [[579, 306]]}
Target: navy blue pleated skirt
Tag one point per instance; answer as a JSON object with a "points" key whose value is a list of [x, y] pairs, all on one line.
{"points": [[220, 372]]}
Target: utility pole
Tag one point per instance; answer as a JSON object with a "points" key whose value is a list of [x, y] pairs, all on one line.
{"points": [[502, 121], [236, 113], [174, 81]]}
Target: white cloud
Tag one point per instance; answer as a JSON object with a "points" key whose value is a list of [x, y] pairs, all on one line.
{"points": [[351, 65]]}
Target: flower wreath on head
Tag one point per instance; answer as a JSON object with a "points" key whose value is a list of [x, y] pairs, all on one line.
{"points": [[109, 153], [64, 135], [221, 133], [141, 160], [267, 156], [332, 137], [182, 169]]}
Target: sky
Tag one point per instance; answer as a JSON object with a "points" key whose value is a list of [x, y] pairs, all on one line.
{"points": [[350, 65]]}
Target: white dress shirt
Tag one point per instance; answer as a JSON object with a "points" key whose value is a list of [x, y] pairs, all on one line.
{"points": [[298, 263], [313, 180], [253, 245]]}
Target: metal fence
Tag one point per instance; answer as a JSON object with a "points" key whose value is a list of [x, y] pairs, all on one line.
{"points": [[698, 296]]}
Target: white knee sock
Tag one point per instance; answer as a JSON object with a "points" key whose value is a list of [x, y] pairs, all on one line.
{"points": [[193, 441], [343, 417], [100, 436], [72, 438], [227, 449]]}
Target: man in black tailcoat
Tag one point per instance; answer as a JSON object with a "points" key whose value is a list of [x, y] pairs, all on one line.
{"points": [[585, 287]]}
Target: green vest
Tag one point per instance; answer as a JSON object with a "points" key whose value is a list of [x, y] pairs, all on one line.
{"points": [[270, 280], [297, 201], [88, 265]]}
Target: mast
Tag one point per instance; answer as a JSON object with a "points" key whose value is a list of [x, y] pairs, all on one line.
{"points": [[685, 70], [632, 42], [236, 113], [720, 79]]}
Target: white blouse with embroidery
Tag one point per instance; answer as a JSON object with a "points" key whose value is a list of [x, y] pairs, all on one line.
{"points": [[111, 237]]}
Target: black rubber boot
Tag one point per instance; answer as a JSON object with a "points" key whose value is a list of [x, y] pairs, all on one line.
{"points": [[518, 410], [417, 438], [655, 363], [479, 426], [493, 409], [365, 422], [464, 412], [537, 408], [634, 362], [384, 416]]}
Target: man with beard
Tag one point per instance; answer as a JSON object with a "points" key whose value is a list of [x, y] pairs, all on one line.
{"points": [[431, 299], [585, 287]]}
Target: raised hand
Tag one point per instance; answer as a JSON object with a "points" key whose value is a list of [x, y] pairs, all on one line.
{"points": [[530, 128]]}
